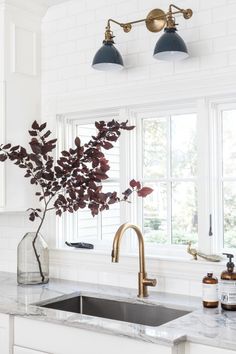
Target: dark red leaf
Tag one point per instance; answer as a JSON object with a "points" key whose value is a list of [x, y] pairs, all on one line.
{"points": [[35, 125], [3, 157], [46, 135], [32, 217], [132, 183], [35, 146], [7, 146], [65, 153], [107, 146], [127, 192], [42, 126], [33, 133], [77, 141], [143, 192]]}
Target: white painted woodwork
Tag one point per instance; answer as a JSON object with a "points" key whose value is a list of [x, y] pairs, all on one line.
{"points": [[193, 348], [2, 141], [57, 339], [20, 93], [5, 335], [24, 51], [21, 350]]}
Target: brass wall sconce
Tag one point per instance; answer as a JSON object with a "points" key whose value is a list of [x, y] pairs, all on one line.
{"points": [[170, 45]]}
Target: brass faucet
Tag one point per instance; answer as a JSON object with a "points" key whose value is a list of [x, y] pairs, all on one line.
{"points": [[143, 281]]}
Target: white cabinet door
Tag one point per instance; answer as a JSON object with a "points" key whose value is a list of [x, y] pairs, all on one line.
{"points": [[5, 335], [21, 350], [193, 348]]}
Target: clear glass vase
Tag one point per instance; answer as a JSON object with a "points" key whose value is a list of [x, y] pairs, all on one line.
{"points": [[32, 260]]}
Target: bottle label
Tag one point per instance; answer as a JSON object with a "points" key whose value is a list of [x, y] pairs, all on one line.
{"points": [[210, 292], [228, 292]]}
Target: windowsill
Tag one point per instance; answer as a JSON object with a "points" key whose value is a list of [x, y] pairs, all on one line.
{"points": [[184, 258]]}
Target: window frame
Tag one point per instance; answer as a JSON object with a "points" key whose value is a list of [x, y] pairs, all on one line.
{"points": [[217, 109], [207, 111], [169, 179]]}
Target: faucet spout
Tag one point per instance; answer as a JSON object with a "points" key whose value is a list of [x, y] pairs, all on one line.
{"points": [[143, 281]]}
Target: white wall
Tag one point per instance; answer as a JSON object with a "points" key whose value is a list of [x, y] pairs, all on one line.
{"points": [[20, 97], [73, 31], [71, 34]]}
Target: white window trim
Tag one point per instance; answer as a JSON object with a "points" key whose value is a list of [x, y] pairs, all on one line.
{"points": [[207, 111], [216, 109]]}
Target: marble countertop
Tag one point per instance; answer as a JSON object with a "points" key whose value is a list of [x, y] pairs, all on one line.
{"points": [[212, 327]]}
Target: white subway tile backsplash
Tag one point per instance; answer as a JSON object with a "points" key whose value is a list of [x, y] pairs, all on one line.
{"points": [[196, 49], [76, 83], [187, 65], [213, 30], [224, 44], [74, 7], [224, 13], [56, 12], [212, 3], [66, 48], [209, 62]]}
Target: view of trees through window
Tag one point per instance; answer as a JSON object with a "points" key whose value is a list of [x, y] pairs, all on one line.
{"points": [[228, 176], [166, 160], [169, 167]]}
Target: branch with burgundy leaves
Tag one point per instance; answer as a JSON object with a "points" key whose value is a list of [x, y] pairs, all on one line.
{"points": [[75, 180]]}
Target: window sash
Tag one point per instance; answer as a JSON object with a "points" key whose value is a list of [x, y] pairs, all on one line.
{"points": [[208, 180]]}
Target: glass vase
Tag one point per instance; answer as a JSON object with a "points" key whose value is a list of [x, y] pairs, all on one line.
{"points": [[32, 260]]}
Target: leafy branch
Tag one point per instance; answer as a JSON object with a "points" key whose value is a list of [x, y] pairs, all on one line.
{"points": [[75, 180]]}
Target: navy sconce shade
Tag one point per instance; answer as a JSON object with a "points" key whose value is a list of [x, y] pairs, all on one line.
{"points": [[170, 46], [108, 58]]}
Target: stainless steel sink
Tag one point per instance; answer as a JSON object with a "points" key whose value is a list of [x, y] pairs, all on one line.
{"points": [[145, 314]]}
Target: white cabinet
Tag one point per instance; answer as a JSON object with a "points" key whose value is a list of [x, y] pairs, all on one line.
{"points": [[5, 334], [21, 350], [193, 348], [44, 337], [20, 98]]}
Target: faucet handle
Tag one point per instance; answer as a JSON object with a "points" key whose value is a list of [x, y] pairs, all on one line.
{"points": [[149, 282]]}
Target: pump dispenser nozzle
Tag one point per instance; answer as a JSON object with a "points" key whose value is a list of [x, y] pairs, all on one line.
{"points": [[230, 264]]}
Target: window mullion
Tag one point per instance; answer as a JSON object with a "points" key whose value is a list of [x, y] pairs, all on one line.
{"points": [[219, 241], [203, 176], [169, 181]]}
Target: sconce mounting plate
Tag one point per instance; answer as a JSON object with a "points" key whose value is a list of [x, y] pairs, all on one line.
{"points": [[155, 20]]}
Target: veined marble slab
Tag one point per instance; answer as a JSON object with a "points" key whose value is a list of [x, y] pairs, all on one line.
{"points": [[212, 327]]}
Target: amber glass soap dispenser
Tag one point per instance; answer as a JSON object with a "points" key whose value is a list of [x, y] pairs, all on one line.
{"points": [[228, 286]]}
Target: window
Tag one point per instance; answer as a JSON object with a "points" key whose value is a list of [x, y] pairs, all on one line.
{"points": [[169, 166], [82, 225], [187, 155], [226, 179]]}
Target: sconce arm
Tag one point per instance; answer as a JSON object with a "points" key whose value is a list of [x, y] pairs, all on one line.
{"points": [[187, 13], [153, 15]]}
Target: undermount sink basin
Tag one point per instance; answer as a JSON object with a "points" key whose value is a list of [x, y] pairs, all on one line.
{"points": [[139, 313]]}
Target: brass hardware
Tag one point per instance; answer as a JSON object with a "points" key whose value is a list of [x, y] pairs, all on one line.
{"points": [[108, 35], [187, 14], [143, 281], [156, 20], [209, 257], [127, 27]]}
